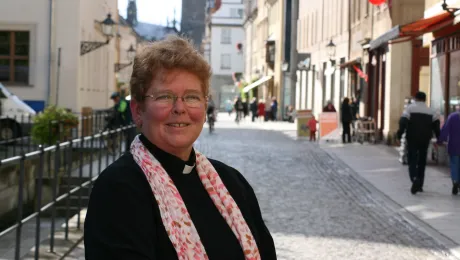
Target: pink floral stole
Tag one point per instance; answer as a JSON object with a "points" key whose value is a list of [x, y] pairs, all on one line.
{"points": [[174, 214]]}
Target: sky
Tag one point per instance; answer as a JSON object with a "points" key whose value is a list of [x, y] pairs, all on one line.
{"points": [[154, 11]]}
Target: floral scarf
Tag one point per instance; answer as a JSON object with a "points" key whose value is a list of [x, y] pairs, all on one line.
{"points": [[174, 214]]}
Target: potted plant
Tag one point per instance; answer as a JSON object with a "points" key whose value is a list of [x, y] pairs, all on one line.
{"points": [[52, 125]]}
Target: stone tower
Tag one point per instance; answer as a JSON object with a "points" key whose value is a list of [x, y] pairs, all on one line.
{"points": [[192, 22], [132, 13]]}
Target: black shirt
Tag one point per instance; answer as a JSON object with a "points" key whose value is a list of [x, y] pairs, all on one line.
{"points": [[123, 220]]}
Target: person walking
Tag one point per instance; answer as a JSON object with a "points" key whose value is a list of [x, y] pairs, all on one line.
{"points": [[346, 117], [419, 122], [239, 109], [261, 109], [274, 108], [450, 133], [254, 108], [312, 126]]}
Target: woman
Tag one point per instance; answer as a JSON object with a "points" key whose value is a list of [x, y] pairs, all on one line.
{"points": [[346, 118], [261, 109], [163, 199], [451, 133]]}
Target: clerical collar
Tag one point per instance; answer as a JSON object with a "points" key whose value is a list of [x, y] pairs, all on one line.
{"points": [[171, 163]]}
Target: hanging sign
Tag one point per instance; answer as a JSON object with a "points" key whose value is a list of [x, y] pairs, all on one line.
{"points": [[377, 2]]}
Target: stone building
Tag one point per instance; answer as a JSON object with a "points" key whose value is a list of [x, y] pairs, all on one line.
{"points": [[193, 20]]}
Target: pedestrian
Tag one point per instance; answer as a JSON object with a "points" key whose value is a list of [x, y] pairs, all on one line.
{"points": [[239, 109], [312, 126], [229, 107], [450, 133], [346, 118], [274, 108], [163, 199], [329, 107], [261, 109], [419, 122], [245, 108], [254, 108]]}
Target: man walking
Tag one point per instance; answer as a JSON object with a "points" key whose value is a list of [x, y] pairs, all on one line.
{"points": [[419, 122]]}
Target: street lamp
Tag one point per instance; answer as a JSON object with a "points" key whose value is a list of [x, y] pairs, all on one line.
{"points": [[108, 29], [131, 53], [451, 10], [330, 47], [108, 26]]}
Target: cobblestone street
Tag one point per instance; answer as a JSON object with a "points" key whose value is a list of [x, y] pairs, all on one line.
{"points": [[313, 204]]}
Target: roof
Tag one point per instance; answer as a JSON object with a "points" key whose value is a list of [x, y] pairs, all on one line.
{"points": [[153, 31]]}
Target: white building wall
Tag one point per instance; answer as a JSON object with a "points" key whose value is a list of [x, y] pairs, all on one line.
{"points": [[66, 37], [97, 77], [228, 20], [248, 58], [84, 81], [32, 16]]}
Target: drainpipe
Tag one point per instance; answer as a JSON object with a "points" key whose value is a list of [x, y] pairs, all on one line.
{"points": [[349, 30], [50, 48], [294, 53]]}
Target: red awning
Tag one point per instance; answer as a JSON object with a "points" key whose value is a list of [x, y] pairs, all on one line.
{"points": [[402, 33], [426, 25], [422, 26]]}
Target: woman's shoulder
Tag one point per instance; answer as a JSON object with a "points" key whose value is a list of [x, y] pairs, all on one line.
{"points": [[124, 170]]}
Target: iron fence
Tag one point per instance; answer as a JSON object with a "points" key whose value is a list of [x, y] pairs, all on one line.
{"points": [[56, 180], [15, 132]]}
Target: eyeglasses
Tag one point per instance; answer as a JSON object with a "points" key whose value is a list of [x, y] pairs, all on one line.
{"points": [[193, 100]]}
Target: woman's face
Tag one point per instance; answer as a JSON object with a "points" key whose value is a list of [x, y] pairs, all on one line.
{"points": [[172, 126]]}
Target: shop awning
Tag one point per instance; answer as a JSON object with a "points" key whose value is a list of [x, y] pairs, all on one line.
{"points": [[413, 30], [350, 63], [257, 83]]}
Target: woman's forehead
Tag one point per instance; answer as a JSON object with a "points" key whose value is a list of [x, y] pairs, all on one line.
{"points": [[177, 81]]}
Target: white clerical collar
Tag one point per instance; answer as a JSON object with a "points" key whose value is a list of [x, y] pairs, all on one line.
{"points": [[188, 169]]}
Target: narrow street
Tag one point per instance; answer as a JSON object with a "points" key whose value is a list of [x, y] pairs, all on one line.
{"points": [[313, 204]]}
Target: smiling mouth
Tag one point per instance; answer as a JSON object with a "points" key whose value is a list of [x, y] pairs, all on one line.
{"points": [[178, 125]]}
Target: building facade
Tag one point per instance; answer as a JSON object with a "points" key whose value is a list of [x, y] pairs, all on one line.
{"points": [[266, 53], [364, 65], [46, 59], [225, 48]]}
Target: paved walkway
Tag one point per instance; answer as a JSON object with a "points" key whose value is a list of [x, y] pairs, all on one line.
{"points": [[379, 166]]}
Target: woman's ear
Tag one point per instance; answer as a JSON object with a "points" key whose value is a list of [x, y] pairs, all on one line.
{"points": [[136, 111]]}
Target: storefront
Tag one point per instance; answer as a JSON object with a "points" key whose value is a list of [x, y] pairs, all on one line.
{"points": [[381, 47], [445, 70]]}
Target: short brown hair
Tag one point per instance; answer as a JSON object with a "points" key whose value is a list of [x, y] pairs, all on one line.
{"points": [[156, 59]]}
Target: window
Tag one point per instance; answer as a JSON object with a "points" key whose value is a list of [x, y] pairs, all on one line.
{"points": [[14, 57], [454, 81], [226, 36], [225, 62], [236, 12], [438, 88]]}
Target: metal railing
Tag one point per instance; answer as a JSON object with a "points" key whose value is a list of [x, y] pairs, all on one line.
{"points": [[15, 132], [80, 159]]}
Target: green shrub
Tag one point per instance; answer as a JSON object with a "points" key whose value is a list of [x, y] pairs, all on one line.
{"points": [[53, 124]]}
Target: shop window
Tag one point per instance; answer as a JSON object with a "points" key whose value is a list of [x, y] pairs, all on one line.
{"points": [[438, 86], [454, 81]]}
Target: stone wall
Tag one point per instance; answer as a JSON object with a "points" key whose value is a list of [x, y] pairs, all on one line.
{"points": [[9, 183]]}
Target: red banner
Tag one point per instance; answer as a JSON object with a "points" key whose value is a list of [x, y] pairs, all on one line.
{"points": [[361, 73]]}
